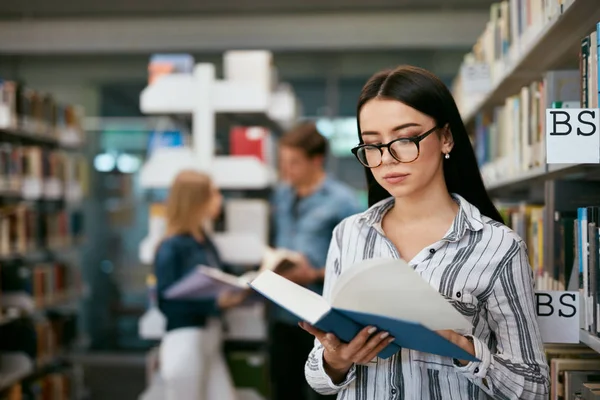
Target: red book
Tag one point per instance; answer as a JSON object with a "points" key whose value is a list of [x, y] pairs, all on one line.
{"points": [[248, 141]]}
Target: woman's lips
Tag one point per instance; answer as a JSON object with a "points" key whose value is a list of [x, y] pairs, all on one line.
{"points": [[395, 178]]}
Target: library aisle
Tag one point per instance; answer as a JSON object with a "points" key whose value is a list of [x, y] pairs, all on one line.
{"points": [[102, 104], [531, 57]]}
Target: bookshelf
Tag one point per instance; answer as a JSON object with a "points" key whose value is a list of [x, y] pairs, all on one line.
{"points": [[43, 183], [535, 55], [255, 107], [548, 46]]}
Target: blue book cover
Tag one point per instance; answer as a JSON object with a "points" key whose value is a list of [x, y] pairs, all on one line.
{"points": [[346, 323]]}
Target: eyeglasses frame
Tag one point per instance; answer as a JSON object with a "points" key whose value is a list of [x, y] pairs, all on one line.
{"points": [[415, 139]]}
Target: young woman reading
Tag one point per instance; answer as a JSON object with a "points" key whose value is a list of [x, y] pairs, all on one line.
{"points": [[428, 206]]}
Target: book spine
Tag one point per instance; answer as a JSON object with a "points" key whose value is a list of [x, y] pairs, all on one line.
{"points": [[597, 61], [585, 43]]}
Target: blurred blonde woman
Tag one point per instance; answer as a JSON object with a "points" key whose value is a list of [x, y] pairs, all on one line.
{"points": [[192, 364]]}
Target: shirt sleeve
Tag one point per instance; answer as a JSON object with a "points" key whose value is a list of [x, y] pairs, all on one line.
{"points": [[166, 265], [314, 369], [518, 368]]}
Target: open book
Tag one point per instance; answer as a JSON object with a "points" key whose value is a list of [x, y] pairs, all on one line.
{"points": [[385, 293], [209, 282]]}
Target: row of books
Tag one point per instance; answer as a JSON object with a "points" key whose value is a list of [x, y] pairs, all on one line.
{"points": [[511, 139], [43, 338], [513, 25], [527, 220], [37, 114], [40, 284], [574, 372], [588, 66], [550, 229], [37, 172], [27, 227], [37, 346], [587, 244], [53, 386]]}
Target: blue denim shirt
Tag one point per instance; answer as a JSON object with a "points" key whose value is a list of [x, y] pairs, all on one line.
{"points": [[176, 257], [306, 225]]}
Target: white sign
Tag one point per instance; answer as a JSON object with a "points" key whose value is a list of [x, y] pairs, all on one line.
{"points": [[476, 78], [573, 136], [558, 316]]}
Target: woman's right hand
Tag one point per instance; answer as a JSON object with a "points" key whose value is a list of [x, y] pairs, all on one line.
{"points": [[339, 357], [229, 299]]}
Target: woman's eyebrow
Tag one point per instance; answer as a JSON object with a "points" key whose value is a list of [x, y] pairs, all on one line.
{"points": [[398, 128]]}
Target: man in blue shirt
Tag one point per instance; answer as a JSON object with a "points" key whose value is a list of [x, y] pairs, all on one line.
{"points": [[307, 205]]}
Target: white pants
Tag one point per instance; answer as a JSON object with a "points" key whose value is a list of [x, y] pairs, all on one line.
{"points": [[192, 365]]}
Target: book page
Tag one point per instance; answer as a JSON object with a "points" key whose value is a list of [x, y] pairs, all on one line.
{"points": [[391, 288], [278, 260], [206, 282], [229, 279], [298, 300]]}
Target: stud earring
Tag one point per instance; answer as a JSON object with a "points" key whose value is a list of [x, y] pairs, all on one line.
{"points": [[447, 156]]}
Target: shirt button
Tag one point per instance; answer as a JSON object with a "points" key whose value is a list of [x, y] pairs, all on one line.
{"points": [[458, 294], [394, 391], [432, 251], [476, 370]]}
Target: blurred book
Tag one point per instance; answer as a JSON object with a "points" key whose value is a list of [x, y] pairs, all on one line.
{"points": [[207, 281]]}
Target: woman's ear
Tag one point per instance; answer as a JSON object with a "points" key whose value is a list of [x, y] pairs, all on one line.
{"points": [[447, 140]]}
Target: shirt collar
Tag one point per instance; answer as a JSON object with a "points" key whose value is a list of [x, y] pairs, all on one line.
{"points": [[323, 187], [468, 217]]}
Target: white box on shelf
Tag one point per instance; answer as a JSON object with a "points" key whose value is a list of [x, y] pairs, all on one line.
{"points": [[52, 188], [240, 248], [241, 172], [240, 97], [476, 78], [246, 323], [70, 137], [284, 107], [254, 66], [248, 216], [169, 94], [32, 189], [164, 164], [6, 120]]}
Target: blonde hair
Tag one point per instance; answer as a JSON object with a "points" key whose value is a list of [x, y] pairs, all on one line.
{"points": [[189, 196]]}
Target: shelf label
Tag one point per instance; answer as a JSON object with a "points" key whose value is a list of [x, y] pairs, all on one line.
{"points": [[52, 188], [558, 316], [32, 188], [5, 120], [573, 136], [476, 78]]}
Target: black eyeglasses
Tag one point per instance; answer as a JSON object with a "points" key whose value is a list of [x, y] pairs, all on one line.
{"points": [[404, 150]]}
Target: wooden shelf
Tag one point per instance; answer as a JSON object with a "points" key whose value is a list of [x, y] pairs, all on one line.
{"points": [[589, 340], [555, 46], [29, 304], [539, 175], [67, 139]]}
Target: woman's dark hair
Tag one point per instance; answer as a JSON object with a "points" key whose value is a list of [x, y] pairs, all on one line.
{"points": [[423, 91]]}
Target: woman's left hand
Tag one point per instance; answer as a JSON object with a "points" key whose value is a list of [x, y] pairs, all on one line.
{"points": [[459, 340]]}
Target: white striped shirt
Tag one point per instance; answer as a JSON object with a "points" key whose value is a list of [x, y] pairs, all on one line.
{"points": [[481, 266]]}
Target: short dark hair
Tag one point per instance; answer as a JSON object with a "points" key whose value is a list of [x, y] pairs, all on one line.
{"points": [[423, 91], [306, 137]]}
